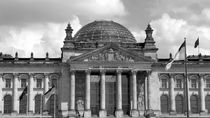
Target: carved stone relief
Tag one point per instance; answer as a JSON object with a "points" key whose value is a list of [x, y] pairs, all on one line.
{"points": [[110, 55]]}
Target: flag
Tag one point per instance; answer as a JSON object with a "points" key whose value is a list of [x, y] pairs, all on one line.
{"points": [[23, 93], [196, 43], [49, 93], [180, 55]]}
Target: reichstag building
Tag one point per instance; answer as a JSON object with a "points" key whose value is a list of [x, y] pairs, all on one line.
{"points": [[104, 72]]}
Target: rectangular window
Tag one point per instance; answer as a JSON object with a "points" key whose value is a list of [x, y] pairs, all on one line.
{"points": [[54, 82], [207, 83], [8, 83], [164, 83], [23, 83], [178, 83], [193, 83], [39, 83]]}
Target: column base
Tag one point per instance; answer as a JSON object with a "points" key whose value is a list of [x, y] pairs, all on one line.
{"points": [[172, 112], [87, 114], [141, 112], [72, 114], [150, 113], [64, 113], [45, 112], [185, 113], [102, 113], [30, 113], [203, 112], [134, 113], [14, 113], [119, 113]]}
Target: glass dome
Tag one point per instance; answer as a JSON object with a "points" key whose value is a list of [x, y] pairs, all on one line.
{"points": [[104, 31]]}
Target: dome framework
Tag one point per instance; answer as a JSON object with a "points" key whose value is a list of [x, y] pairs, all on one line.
{"points": [[104, 31]]}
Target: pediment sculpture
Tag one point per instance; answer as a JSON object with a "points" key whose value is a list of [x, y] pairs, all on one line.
{"points": [[110, 55]]}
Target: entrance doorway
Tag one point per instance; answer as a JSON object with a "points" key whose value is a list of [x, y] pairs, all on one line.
{"points": [[95, 97], [126, 94], [110, 97]]}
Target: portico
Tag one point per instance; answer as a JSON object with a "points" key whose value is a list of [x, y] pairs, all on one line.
{"points": [[107, 79]]}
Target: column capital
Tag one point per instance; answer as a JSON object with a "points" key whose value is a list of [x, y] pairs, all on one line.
{"points": [[134, 71], [119, 71], [16, 75], [1, 75], [102, 71], [31, 74], [88, 71], [148, 72], [202, 75], [172, 75], [46, 75], [72, 71]]}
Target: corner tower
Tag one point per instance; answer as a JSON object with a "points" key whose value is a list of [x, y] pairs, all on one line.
{"points": [[149, 43]]}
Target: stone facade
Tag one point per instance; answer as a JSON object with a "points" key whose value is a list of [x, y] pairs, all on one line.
{"points": [[104, 72]]}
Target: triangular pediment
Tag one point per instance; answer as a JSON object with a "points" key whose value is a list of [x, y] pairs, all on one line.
{"points": [[111, 53]]}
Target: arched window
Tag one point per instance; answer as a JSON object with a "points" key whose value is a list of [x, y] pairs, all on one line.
{"points": [[207, 101], [179, 104], [7, 104], [194, 104], [52, 106], [164, 104], [164, 81], [23, 105], [38, 104]]}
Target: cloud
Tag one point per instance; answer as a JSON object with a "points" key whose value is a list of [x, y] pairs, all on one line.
{"points": [[103, 7], [139, 35], [169, 33], [37, 38], [75, 24], [21, 12]]}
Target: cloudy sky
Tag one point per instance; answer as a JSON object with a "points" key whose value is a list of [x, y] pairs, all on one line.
{"points": [[38, 25]]}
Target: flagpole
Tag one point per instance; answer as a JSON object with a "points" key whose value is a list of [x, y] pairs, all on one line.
{"points": [[198, 49], [27, 104], [186, 80], [54, 104]]}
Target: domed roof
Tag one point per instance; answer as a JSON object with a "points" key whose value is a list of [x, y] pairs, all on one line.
{"points": [[104, 31]]}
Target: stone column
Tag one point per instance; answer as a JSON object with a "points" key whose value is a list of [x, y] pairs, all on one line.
{"points": [[46, 88], [149, 89], [202, 96], [119, 111], [134, 111], [31, 95], [172, 95], [87, 113], [15, 94], [1, 94], [145, 94], [102, 112], [72, 92]]}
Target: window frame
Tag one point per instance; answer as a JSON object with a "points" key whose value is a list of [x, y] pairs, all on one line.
{"points": [[38, 83], [193, 85], [6, 83], [164, 85], [23, 85], [180, 83], [207, 85]]}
